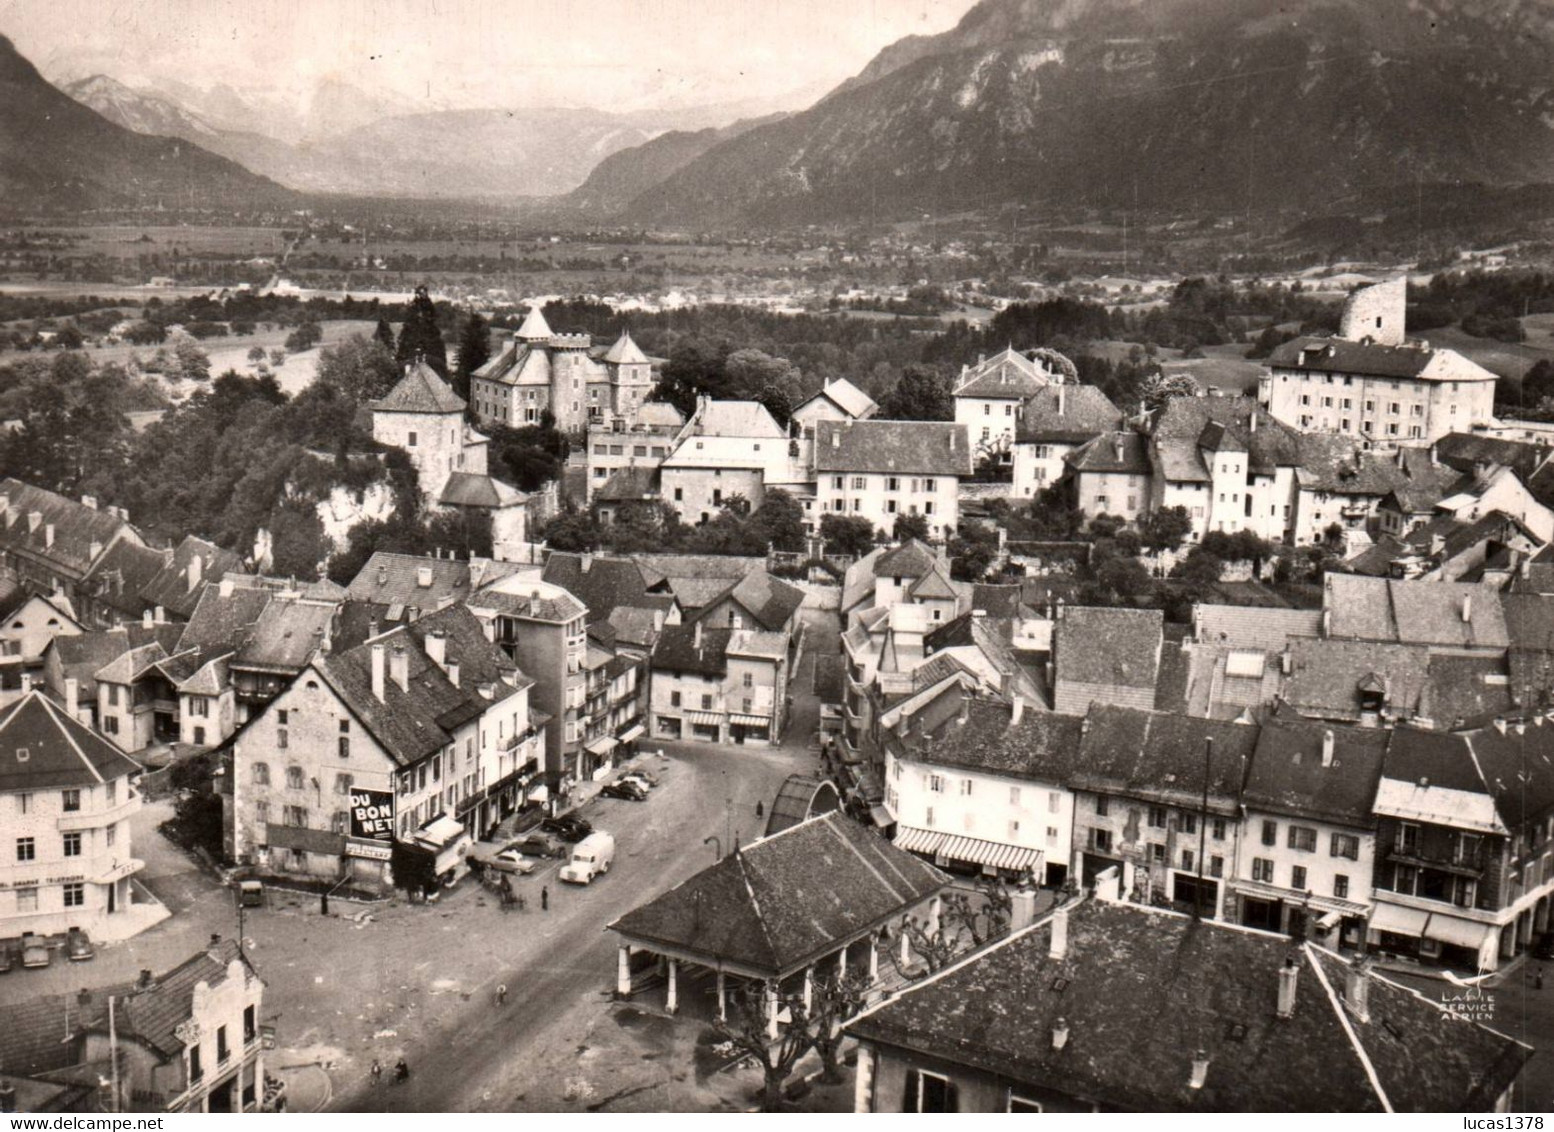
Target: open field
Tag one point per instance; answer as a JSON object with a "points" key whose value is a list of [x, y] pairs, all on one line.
{"points": [[1505, 359], [131, 242]]}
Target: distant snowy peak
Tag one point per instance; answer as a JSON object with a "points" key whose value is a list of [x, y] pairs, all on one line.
{"points": [[140, 111]]}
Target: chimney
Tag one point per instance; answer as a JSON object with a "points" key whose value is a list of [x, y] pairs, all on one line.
{"points": [[1467, 607], [423, 577], [227, 586], [1357, 989], [94, 550], [1435, 456], [5, 509], [453, 673], [1117, 447], [1060, 400], [696, 636], [382, 575], [89, 501], [1251, 424], [377, 672], [1327, 747], [146, 619], [437, 648], [1019, 712], [48, 535], [1060, 1033], [33, 519], [965, 711], [399, 665], [161, 616], [1327, 622], [73, 697], [836, 438], [84, 997], [1058, 948], [587, 562], [1289, 976], [952, 440], [1022, 906], [1200, 1069], [196, 571], [145, 982]]}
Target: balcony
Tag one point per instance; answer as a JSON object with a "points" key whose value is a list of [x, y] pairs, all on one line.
{"points": [[95, 819], [1465, 865]]}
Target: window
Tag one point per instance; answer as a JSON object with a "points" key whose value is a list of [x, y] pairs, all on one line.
{"points": [[110, 834], [26, 849], [196, 1070], [1157, 853], [26, 900], [75, 895], [72, 844], [262, 812], [1340, 886], [706, 703], [1408, 838], [250, 1024], [1103, 805], [295, 816], [1101, 840], [1054, 802], [222, 1052], [199, 707], [674, 699], [1020, 1104], [1216, 866], [928, 817], [1304, 838], [282, 739], [1262, 870], [1052, 834], [410, 440], [1217, 829], [1157, 817], [70, 800], [343, 783], [1014, 795], [1465, 852], [1298, 877], [936, 784], [1187, 859], [294, 778], [749, 680], [860, 482], [1270, 832], [1189, 823], [1345, 845], [965, 787], [282, 716], [928, 1092], [261, 774], [1404, 878]]}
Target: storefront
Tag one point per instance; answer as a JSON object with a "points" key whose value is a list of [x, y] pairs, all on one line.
{"points": [[1434, 937], [449, 842], [971, 854], [596, 762], [749, 728], [706, 726]]}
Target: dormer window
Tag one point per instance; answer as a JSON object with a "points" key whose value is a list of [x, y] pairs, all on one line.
{"points": [[23, 754]]}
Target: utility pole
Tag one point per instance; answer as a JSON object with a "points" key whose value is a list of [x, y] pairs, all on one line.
{"points": [[1203, 827], [113, 1052]]}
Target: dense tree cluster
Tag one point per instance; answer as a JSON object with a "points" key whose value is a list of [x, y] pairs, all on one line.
{"points": [[778, 524]]}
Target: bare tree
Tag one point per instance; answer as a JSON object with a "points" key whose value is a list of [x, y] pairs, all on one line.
{"points": [[833, 1002], [746, 1029], [967, 920]]}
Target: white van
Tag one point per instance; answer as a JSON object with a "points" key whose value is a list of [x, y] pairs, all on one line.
{"points": [[590, 857]]}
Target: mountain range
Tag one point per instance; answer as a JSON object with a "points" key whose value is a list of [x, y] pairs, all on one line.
{"points": [[59, 155], [1187, 105]]}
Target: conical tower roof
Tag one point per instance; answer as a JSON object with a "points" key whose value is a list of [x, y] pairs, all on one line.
{"points": [[625, 352], [534, 327]]}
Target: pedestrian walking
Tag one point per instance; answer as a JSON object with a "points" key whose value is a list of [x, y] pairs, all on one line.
{"points": [[544, 899], [760, 809], [501, 994], [401, 1072], [377, 1072], [523, 905], [323, 904]]}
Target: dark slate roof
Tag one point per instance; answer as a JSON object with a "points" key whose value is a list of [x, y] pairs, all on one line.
{"points": [[1518, 769], [1529, 620], [769, 601], [1008, 375], [123, 574], [1142, 990], [1430, 613], [1101, 454], [1160, 756], [628, 485], [1325, 676], [1461, 450], [1339, 355], [1183, 423], [76, 527], [1066, 414], [935, 448], [286, 635], [60, 751], [154, 1014], [912, 559], [997, 601], [395, 579], [224, 620], [480, 661], [420, 391], [676, 650], [467, 489], [781, 902], [1041, 746], [795, 798], [1287, 775], [170, 588], [603, 583], [1092, 645], [83, 655]]}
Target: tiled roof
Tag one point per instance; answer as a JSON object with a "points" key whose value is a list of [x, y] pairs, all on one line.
{"points": [[1107, 646], [82, 655], [528, 599], [466, 489], [76, 527], [1288, 777], [624, 352], [788, 899], [676, 650], [1124, 451], [1338, 355], [1461, 450], [936, 448], [123, 574], [628, 485], [59, 751], [604, 583], [396, 579], [1041, 746], [1428, 613], [1160, 755], [659, 414], [1183, 423], [534, 325], [1068, 414], [847, 397], [912, 559], [155, 1014], [997, 600], [1529, 620], [1240, 627], [1325, 676], [286, 635], [224, 620], [934, 586], [465, 644], [420, 391], [770, 601], [757, 643], [635, 625], [737, 419], [127, 667], [1008, 374], [1340, 465], [170, 588], [1141, 990], [1517, 764]]}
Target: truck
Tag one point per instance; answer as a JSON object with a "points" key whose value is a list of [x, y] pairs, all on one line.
{"points": [[590, 857]]}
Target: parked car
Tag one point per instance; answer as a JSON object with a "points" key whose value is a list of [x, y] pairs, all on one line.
{"points": [[78, 947], [7, 958], [34, 953], [539, 845], [641, 779], [591, 857], [1544, 948], [626, 791], [568, 827], [512, 861]]}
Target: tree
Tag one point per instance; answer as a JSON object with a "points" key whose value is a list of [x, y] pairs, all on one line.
{"points": [[305, 337], [833, 1002], [746, 1028], [474, 351], [529, 457], [1162, 387], [778, 522], [921, 394], [193, 362], [255, 355], [910, 527], [847, 534], [69, 337], [574, 531], [145, 333], [1165, 528], [967, 920], [972, 551], [358, 367], [419, 336], [1201, 567], [383, 333]]}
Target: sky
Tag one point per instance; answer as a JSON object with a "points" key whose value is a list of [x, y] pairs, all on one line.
{"points": [[609, 54]]}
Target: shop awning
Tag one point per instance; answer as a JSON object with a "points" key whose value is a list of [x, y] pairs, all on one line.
{"points": [[603, 745], [1409, 922], [635, 731], [915, 840], [706, 718], [882, 816], [1458, 933], [750, 720], [991, 854], [540, 793], [440, 832]]}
